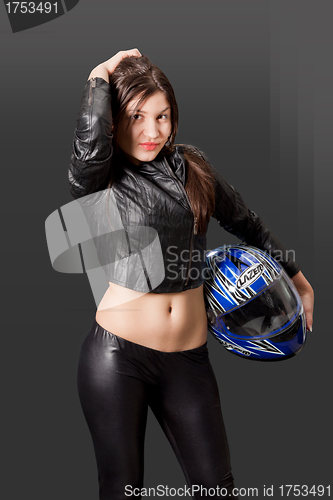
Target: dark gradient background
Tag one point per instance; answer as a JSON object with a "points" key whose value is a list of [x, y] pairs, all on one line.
{"points": [[254, 86]]}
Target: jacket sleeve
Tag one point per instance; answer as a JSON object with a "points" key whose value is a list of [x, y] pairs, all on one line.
{"points": [[234, 216], [90, 163]]}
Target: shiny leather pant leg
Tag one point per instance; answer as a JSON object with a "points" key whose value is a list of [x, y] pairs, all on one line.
{"points": [[115, 406], [187, 406], [118, 380]]}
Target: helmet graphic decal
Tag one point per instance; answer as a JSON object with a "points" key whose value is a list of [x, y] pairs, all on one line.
{"points": [[265, 345], [243, 266], [249, 275]]}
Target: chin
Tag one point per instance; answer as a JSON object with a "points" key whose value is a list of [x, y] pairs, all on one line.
{"points": [[146, 155], [137, 157]]}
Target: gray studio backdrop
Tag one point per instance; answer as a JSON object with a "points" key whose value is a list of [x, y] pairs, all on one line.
{"points": [[253, 81]]}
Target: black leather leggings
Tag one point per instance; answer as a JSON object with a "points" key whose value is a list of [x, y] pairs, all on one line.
{"points": [[119, 379]]}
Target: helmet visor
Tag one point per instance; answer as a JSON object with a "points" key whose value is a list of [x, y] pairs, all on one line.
{"points": [[267, 314]]}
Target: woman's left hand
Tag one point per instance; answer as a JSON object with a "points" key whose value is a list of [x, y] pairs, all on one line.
{"points": [[306, 293]]}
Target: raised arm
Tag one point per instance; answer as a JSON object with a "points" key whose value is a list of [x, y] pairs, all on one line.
{"points": [[89, 169]]}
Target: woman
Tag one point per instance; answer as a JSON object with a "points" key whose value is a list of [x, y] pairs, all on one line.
{"points": [[149, 349]]}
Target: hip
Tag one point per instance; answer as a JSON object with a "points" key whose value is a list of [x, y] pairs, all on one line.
{"points": [[166, 322]]}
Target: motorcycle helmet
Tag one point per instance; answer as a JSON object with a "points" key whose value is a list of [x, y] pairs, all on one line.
{"points": [[253, 307]]}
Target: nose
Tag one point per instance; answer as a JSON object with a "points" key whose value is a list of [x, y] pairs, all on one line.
{"points": [[151, 129]]}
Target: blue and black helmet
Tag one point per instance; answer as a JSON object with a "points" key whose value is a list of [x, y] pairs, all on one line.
{"points": [[253, 307]]}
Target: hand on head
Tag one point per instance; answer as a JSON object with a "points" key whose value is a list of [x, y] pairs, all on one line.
{"points": [[106, 68]]}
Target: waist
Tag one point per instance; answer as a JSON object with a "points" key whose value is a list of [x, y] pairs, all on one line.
{"points": [[166, 322]]}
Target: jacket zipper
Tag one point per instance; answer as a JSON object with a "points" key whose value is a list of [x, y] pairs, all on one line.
{"points": [[90, 99], [195, 222], [92, 85]]}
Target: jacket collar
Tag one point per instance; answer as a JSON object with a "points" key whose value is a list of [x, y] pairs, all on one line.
{"points": [[175, 159]]}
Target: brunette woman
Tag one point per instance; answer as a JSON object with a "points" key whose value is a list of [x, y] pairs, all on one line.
{"points": [[147, 346]]}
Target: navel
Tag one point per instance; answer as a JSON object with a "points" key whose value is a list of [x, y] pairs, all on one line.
{"points": [[170, 309]]}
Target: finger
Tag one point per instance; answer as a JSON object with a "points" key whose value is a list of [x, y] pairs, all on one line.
{"points": [[309, 322], [131, 52], [136, 52]]}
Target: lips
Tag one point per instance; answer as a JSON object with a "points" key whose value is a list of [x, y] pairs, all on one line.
{"points": [[149, 146]]}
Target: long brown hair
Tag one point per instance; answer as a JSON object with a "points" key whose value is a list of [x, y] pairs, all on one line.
{"points": [[138, 78]]}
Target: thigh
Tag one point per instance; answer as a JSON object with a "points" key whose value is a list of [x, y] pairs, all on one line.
{"points": [[114, 403], [189, 411]]}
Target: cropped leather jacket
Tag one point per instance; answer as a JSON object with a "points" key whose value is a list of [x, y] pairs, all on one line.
{"points": [[152, 244]]}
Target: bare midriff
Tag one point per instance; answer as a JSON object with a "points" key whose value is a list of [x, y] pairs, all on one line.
{"points": [[164, 321]]}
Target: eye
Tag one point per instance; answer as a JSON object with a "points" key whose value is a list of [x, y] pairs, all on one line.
{"points": [[164, 116], [136, 116]]}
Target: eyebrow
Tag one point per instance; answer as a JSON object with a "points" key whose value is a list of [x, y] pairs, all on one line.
{"points": [[144, 112]]}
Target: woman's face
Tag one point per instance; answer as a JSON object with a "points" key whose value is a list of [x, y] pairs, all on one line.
{"points": [[148, 129]]}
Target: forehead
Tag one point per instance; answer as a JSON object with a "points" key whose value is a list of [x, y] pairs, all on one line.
{"points": [[154, 103]]}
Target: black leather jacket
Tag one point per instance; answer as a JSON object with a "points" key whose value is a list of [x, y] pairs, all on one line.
{"points": [[151, 195]]}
